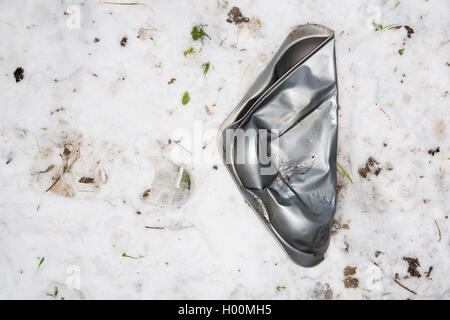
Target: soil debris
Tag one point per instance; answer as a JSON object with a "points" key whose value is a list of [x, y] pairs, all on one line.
{"points": [[336, 224], [69, 157], [351, 283], [413, 263], [235, 15], [66, 151], [86, 180], [50, 167], [57, 110], [171, 81], [145, 194], [371, 166], [123, 42], [428, 273], [18, 74], [434, 151], [409, 30], [349, 271], [208, 111]]}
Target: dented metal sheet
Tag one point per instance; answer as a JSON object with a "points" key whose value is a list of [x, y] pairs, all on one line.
{"points": [[279, 143]]}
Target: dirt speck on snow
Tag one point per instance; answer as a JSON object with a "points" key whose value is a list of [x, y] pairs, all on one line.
{"points": [[349, 281], [371, 166], [236, 16], [86, 180], [349, 271], [409, 30], [413, 263], [145, 194], [428, 273], [18, 74], [208, 111], [434, 151]]}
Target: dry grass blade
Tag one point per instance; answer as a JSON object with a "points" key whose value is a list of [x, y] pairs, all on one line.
{"points": [[127, 4], [156, 228], [404, 287], [439, 229]]}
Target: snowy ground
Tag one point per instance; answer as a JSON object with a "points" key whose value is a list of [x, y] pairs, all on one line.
{"points": [[88, 107]]}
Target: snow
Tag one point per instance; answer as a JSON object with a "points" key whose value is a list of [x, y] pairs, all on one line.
{"points": [[117, 113]]}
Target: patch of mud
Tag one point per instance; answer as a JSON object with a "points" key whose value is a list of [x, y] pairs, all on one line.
{"points": [[434, 151], [86, 180], [235, 16], [62, 184], [338, 226], [413, 263], [68, 164], [349, 281], [19, 74], [74, 164], [371, 166], [349, 271]]}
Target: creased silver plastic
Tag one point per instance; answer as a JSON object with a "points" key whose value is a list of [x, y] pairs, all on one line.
{"points": [[295, 100]]}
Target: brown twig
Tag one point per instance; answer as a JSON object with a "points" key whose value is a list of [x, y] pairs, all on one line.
{"points": [[124, 3], [53, 184], [439, 229], [157, 228], [429, 272], [66, 167], [385, 113], [48, 169], [404, 287], [127, 4]]}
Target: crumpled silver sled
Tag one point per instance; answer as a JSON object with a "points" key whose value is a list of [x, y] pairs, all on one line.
{"points": [[279, 143]]}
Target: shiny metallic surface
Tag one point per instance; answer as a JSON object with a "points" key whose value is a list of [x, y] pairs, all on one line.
{"points": [[294, 99]]}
